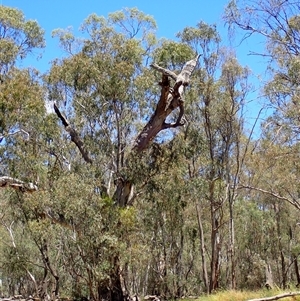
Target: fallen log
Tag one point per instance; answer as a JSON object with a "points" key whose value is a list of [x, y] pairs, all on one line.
{"points": [[151, 297], [276, 297]]}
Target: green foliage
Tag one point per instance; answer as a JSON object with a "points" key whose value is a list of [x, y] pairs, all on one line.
{"points": [[172, 54], [193, 223], [18, 37]]}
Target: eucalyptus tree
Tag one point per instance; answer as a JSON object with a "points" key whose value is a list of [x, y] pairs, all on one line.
{"points": [[277, 23], [107, 94], [96, 85], [218, 145], [114, 134], [21, 114], [103, 93], [18, 38]]}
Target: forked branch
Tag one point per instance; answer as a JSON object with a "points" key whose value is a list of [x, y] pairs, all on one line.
{"points": [[171, 98]]}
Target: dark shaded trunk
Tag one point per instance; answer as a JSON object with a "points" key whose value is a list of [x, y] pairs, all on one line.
{"points": [[49, 267], [296, 270], [216, 221], [232, 246], [215, 258], [202, 250], [294, 259], [112, 290]]}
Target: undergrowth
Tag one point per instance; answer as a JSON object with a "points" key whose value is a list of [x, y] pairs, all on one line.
{"points": [[244, 295]]}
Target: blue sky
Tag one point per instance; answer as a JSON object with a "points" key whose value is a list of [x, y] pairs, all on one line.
{"points": [[170, 16]]}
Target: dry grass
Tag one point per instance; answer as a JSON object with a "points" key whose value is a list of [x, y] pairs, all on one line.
{"points": [[243, 296]]}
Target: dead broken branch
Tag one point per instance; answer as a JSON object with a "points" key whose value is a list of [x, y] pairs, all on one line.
{"points": [[73, 134], [17, 184], [171, 98]]}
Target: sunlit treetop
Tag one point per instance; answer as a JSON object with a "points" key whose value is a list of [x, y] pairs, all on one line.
{"points": [[18, 37]]}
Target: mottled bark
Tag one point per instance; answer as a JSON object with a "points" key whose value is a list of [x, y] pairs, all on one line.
{"points": [[295, 260]]}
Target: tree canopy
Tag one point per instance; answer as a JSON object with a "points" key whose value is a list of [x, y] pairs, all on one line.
{"points": [[129, 169]]}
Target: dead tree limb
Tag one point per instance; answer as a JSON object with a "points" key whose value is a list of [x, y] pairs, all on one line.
{"points": [[280, 296], [73, 134], [164, 71], [170, 99], [17, 184]]}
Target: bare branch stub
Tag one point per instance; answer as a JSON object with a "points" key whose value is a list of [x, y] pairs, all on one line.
{"points": [[74, 135], [170, 99]]}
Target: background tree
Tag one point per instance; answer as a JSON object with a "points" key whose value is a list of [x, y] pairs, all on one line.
{"points": [[218, 116], [275, 173], [22, 163]]}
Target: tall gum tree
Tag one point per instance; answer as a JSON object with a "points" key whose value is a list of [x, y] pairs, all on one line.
{"points": [[21, 97], [106, 93], [102, 93], [218, 127], [19, 88], [275, 176]]}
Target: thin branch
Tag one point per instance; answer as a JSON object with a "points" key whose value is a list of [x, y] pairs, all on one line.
{"points": [[275, 195], [14, 133], [164, 71], [73, 134]]}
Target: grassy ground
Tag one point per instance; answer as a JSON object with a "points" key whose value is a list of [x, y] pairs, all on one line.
{"points": [[245, 295]]}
